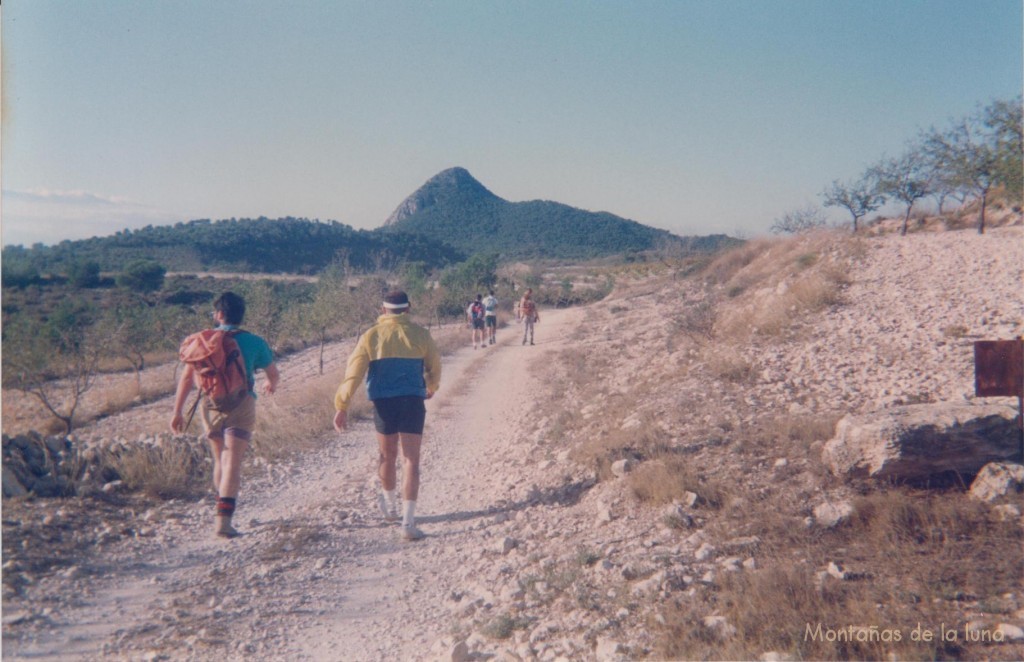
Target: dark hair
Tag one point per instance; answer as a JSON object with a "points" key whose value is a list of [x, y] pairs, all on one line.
{"points": [[479, 296], [233, 307]]}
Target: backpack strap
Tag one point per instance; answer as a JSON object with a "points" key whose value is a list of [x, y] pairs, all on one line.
{"points": [[250, 382], [192, 411]]}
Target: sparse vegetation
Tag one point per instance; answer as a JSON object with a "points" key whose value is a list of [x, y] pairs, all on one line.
{"points": [[174, 468], [503, 626], [910, 557], [914, 558], [668, 476]]}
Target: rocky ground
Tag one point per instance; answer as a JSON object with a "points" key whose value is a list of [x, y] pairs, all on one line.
{"points": [[533, 551]]}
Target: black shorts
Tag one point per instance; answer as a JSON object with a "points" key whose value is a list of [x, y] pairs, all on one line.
{"points": [[492, 321], [402, 414], [478, 323]]}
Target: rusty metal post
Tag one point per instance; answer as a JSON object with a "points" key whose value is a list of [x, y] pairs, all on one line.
{"points": [[999, 372]]}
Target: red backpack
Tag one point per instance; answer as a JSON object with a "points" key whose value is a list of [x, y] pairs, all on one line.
{"points": [[219, 369]]}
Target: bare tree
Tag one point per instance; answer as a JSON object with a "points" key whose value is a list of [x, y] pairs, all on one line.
{"points": [[57, 372], [905, 178], [978, 153], [332, 309], [799, 220], [1005, 122], [964, 160], [129, 326], [859, 198]]}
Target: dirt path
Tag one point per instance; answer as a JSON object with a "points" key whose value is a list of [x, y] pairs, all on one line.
{"points": [[318, 575]]}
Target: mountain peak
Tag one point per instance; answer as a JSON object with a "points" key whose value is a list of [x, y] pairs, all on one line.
{"points": [[446, 186]]}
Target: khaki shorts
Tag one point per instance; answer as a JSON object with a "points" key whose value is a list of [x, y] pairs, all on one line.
{"points": [[240, 421]]}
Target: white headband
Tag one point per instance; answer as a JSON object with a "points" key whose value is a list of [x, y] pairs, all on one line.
{"points": [[395, 306]]}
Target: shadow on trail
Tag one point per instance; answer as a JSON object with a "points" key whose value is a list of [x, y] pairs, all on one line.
{"points": [[563, 495]]}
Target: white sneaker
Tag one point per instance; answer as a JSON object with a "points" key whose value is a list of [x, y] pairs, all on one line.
{"points": [[411, 533], [389, 512]]}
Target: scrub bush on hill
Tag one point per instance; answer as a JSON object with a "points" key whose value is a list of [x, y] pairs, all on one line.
{"points": [[142, 276]]}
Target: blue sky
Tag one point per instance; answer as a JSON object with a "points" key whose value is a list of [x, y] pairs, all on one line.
{"points": [[695, 116]]}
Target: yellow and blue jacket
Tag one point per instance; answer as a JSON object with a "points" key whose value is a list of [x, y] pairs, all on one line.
{"points": [[397, 357]]}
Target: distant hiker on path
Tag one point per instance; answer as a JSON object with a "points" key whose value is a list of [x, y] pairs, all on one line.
{"points": [[528, 313], [490, 316], [222, 363], [475, 317], [402, 367]]}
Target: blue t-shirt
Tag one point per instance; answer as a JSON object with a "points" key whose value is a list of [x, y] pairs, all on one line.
{"points": [[256, 353]]}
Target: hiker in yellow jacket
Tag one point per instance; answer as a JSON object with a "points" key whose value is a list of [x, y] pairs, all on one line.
{"points": [[403, 369]]}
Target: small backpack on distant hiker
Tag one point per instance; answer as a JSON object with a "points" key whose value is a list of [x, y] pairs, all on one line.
{"points": [[219, 369], [528, 309], [476, 311]]}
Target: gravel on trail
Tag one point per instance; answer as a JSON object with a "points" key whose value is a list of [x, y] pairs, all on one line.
{"points": [[317, 574]]}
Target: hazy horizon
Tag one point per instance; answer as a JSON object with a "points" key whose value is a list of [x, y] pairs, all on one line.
{"points": [[695, 117]]}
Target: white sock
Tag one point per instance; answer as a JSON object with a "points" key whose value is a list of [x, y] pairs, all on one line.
{"points": [[409, 517], [390, 496]]}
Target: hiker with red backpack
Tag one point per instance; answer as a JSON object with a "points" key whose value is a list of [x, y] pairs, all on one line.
{"points": [[475, 317], [222, 363]]}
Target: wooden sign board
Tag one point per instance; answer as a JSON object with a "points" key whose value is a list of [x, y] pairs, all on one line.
{"points": [[999, 368]]}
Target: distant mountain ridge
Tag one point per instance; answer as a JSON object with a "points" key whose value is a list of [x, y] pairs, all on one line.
{"points": [[454, 208], [451, 217]]}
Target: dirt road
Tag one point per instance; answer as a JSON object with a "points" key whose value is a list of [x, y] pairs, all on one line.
{"points": [[318, 574]]}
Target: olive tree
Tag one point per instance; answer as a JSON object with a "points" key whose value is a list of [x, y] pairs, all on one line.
{"points": [[131, 328], [331, 309], [859, 198], [978, 153], [55, 365], [1005, 122], [905, 178]]}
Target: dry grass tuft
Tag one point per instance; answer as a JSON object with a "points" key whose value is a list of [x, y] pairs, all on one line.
{"points": [[667, 477], [726, 266], [730, 366], [601, 452], [294, 420], [788, 435], [815, 292], [776, 282], [917, 559], [784, 609], [174, 468]]}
